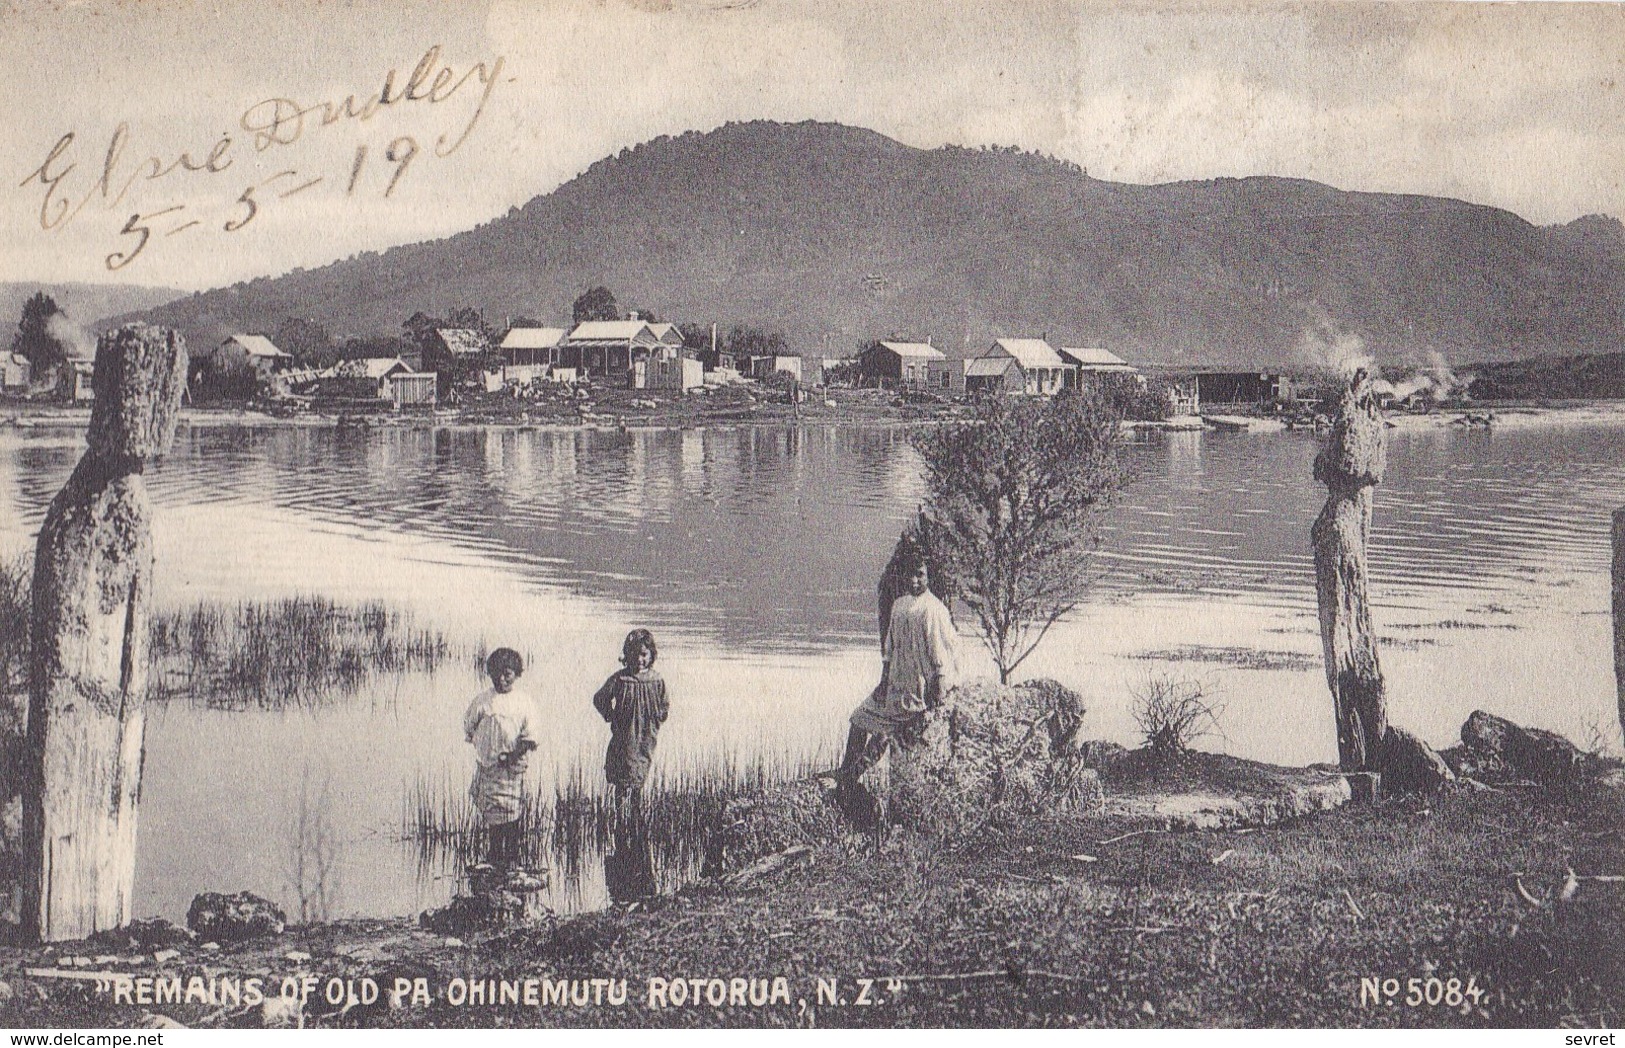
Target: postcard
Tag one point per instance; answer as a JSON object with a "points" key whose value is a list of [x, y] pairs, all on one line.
{"points": [[790, 514]]}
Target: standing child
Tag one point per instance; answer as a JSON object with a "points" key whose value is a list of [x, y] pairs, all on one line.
{"points": [[501, 725], [633, 701]]}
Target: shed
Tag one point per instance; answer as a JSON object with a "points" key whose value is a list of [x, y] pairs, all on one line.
{"points": [[18, 370], [1250, 388], [906, 365], [670, 370], [455, 351], [992, 375]]}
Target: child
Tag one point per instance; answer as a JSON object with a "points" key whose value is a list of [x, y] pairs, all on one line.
{"points": [[633, 701], [501, 724]]}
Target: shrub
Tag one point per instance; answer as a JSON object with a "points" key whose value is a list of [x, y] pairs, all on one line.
{"points": [[1172, 714]]}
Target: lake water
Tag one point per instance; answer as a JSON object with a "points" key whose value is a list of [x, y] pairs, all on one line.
{"points": [[752, 554]]}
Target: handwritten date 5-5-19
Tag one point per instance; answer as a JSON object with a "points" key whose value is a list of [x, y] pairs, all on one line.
{"points": [[273, 124]]}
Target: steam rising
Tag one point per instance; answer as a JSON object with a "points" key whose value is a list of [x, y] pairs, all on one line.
{"points": [[1326, 347], [75, 343]]}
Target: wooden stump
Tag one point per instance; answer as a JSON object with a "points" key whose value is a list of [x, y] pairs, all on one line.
{"points": [[1619, 612], [1350, 465], [88, 657]]}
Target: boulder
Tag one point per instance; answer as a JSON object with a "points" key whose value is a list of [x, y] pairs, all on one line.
{"points": [[990, 753], [1410, 765], [1498, 749], [234, 918], [481, 911]]}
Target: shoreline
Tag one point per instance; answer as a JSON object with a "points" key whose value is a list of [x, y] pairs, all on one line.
{"points": [[1505, 415], [1104, 920]]}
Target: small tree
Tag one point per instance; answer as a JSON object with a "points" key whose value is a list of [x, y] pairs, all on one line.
{"points": [[595, 304], [1012, 508], [307, 341], [34, 340]]}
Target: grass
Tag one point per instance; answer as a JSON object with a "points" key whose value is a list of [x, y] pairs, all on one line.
{"points": [[297, 651], [575, 821]]}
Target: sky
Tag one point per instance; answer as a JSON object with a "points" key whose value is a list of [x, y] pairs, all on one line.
{"points": [[195, 144]]}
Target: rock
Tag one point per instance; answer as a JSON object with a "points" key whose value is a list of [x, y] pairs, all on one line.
{"points": [[1500, 749], [5, 992], [209, 947], [992, 753], [1410, 765], [485, 911], [1215, 792], [165, 956], [157, 933], [234, 918], [279, 1013], [297, 956]]}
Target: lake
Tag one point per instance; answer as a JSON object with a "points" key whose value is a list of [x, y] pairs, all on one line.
{"points": [[752, 554]]}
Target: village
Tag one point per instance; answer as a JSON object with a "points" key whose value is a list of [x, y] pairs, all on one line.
{"points": [[472, 371]]}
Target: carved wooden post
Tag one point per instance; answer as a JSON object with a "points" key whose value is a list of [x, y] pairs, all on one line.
{"points": [[1350, 465], [1619, 612], [87, 667]]}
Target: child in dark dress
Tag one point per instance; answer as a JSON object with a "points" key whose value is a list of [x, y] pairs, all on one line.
{"points": [[633, 701]]}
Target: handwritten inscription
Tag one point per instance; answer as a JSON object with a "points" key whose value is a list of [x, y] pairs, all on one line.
{"points": [[68, 182]]}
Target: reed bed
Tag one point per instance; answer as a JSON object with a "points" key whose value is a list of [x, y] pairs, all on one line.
{"points": [[297, 651], [575, 821]]}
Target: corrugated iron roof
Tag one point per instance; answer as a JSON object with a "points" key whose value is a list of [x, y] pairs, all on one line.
{"points": [[258, 346], [608, 330], [919, 350], [463, 342], [1095, 358], [368, 367], [667, 333], [1030, 352], [988, 367], [533, 338]]}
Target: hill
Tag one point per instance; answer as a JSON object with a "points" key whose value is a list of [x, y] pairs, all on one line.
{"points": [[833, 235], [84, 303]]}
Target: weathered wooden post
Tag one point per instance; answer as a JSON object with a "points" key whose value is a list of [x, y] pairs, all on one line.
{"points": [[1350, 465], [87, 666], [1619, 612]]}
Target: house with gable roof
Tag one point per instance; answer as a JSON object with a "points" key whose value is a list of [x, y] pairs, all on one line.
{"points": [[1040, 369], [608, 349], [906, 365]]}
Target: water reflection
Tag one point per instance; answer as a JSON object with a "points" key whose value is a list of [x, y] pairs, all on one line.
{"points": [[755, 550]]}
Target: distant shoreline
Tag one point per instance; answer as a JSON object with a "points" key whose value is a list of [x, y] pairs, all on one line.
{"points": [[842, 408]]}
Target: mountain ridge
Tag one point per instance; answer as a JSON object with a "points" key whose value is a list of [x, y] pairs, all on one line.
{"points": [[835, 234]]}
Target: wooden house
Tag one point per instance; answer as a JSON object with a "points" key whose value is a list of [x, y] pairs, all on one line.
{"points": [[1042, 370], [607, 349], [18, 371], [455, 352], [531, 352], [906, 365]]}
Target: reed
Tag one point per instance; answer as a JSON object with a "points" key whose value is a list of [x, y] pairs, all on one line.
{"points": [[297, 651], [575, 820]]}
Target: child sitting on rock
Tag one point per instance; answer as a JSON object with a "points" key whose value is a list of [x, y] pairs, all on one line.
{"points": [[501, 725]]}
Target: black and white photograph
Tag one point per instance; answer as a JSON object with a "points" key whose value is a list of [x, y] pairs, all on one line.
{"points": [[812, 514]]}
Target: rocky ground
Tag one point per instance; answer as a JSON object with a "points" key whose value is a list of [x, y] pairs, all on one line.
{"points": [[1023, 878]]}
